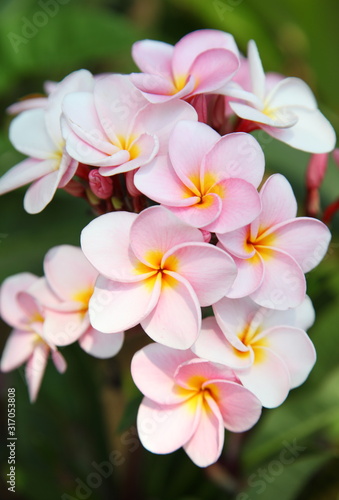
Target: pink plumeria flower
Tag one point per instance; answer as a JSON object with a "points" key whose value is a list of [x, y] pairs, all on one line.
{"points": [[155, 270], [27, 342], [201, 62], [189, 402], [65, 293], [116, 128], [206, 180], [286, 110], [37, 134], [268, 349], [276, 249]]}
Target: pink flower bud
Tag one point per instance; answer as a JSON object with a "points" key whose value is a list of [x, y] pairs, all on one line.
{"points": [[206, 235], [132, 190], [101, 186]]}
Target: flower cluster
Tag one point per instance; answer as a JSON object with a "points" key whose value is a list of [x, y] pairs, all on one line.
{"points": [[187, 221]]}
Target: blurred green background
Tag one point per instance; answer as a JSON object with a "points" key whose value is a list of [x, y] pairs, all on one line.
{"points": [[87, 414]]}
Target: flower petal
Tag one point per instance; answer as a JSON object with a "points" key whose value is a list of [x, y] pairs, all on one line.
{"points": [[249, 278], [152, 56], [268, 379], [296, 349], [213, 345], [291, 92], [205, 446], [23, 173], [236, 155], [18, 348], [153, 369], [35, 369], [239, 408], [10, 308], [212, 69], [41, 193], [101, 345], [175, 320], [163, 429], [278, 202], [208, 269], [110, 308]]}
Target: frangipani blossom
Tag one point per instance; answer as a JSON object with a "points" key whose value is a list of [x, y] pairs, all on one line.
{"points": [[65, 293], [286, 110], [189, 402], [268, 350], [116, 128], [27, 343], [201, 62], [276, 249], [37, 134], [155, 270], [206, 180]]}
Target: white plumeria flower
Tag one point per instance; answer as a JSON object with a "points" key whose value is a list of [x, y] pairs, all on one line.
{"points": [[37, 133], [287, 110]]}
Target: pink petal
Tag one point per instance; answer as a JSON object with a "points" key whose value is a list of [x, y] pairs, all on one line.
{"points": [[69, 274], [278, 202], [101, 345], [205, 446], [35, 369], [236, 243], [153, 57], [200, 372], [153, 369], [64, 328], [202, 213], [23, 173], [283, 285], [59, 361], [10, 309], [197, 42], [304, 238], [213, 345], [305, 314], [188, 144], [157, 229], [106, 243], [240, 206], [239, 408], [208, 269], [159, 182], [175, 320], [28, 134], [236, 155], [165, 428], [268, 379], [117, 102], [249, 278], [110, 305], [159, 120], [147, 146], [212, 69], [18, 348], [155, 88], [41, 193], [312, 132], [295, 348]]}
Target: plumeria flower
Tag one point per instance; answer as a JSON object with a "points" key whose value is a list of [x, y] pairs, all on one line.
{"points": [[268, 349], [189, 402], [155, 270], [276, 249], [206, 180], [116, 128], [65, 292], [37, 134], [201, 62], [27, 342], [285, 108]]}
